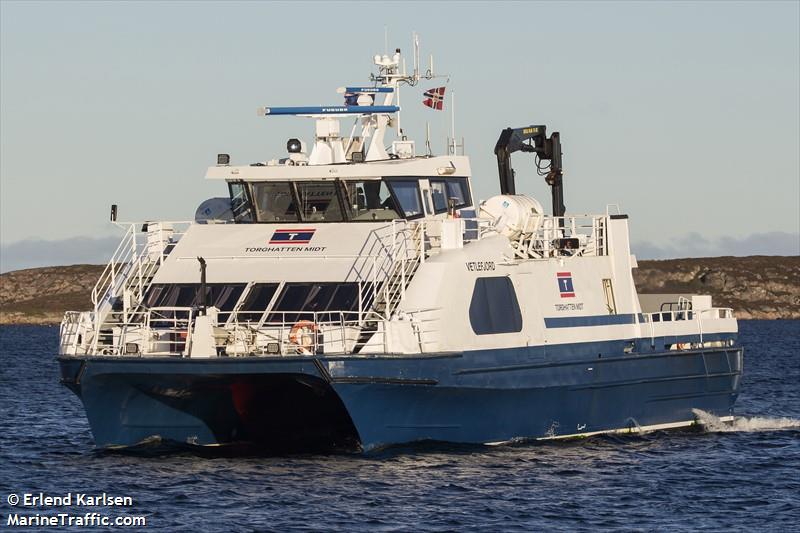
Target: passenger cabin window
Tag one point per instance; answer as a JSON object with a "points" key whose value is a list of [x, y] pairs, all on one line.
{"points": [[219, 295], [494, 307], [300, 301], [258, 297], [255, 302], [444, 190]]}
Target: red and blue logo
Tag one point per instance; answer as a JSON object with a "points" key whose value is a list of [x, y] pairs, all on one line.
{"points": [[292, 236], [565, 284]]}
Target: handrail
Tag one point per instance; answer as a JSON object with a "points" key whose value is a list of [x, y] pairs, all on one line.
{"points": [[168, 330], [688, 315], [132, 265], [124, 250]]}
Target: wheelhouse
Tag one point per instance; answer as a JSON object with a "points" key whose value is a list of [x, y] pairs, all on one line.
{"points": [[356, 199]]}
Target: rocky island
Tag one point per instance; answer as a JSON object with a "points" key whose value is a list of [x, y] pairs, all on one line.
{"points": [[41, 295], [758, 287]]}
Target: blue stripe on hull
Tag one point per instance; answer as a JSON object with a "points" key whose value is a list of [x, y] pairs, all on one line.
{"points": [[474, 397], [592, 320], [558, 400]]}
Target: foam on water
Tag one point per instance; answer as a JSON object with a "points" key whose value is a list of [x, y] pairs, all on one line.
{"points": [[714, 424]]}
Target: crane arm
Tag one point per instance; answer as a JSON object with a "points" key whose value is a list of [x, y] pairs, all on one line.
{"points": [[531, 139]]}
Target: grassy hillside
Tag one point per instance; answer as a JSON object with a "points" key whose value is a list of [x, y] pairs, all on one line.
{"points": [[756, 287]]}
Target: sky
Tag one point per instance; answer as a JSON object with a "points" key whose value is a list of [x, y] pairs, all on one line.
{"points": [[685, 114]]}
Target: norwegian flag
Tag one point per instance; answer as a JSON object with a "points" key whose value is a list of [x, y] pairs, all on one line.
{"points": [[434, 98]]}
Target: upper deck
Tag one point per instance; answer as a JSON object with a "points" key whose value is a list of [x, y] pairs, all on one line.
{"points": [[451, 165], [386, 190]]}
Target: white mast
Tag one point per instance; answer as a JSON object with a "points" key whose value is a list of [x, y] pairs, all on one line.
{"points": [[452, 145]]}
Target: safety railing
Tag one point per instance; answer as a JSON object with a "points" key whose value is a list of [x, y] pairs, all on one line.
{"points": [[328, 332], [679, 322], [75, 332], [133, 263], [155, 330], [584, 235], [676, 315], [169, 331], [579, 235], [293, 333], [122, 260]]}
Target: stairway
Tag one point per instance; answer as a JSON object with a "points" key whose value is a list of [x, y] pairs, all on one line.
{"points": [[131, 283], [388, 298]]}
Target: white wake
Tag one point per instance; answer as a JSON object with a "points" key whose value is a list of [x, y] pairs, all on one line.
{"points": [[713, 424]]}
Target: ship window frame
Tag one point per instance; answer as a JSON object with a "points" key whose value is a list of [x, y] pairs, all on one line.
{"points": [[339, 184], [292, 191], [463, 180], [337, 197], [248, 201], [488, 312], [158, 292], [250, 309], [294, 299], [390, 180], [382, 183]]}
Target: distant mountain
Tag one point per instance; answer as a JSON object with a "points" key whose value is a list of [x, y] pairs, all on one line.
{"points": [[755, 287]]}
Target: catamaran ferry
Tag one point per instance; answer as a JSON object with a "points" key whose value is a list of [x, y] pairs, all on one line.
{"points": [[354, 296]]}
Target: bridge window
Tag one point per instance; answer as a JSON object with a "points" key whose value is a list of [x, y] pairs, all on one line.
{"points": [[326, 200], [274, 202], [446, 189], [407, 194], [319, 201], [241, 207], [494, 307], [369, 200]]}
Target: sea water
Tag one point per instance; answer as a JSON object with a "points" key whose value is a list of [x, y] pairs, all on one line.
{"points": [[743, 476]]}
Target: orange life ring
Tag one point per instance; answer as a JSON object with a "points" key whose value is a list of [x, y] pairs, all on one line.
{"points": [[303, 335], [684, 346]]}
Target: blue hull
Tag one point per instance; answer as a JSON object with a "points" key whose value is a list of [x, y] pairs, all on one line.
{"points": [[364, 403]]}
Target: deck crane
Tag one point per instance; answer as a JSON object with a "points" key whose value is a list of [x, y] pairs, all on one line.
{"points": [[532, 139]]}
